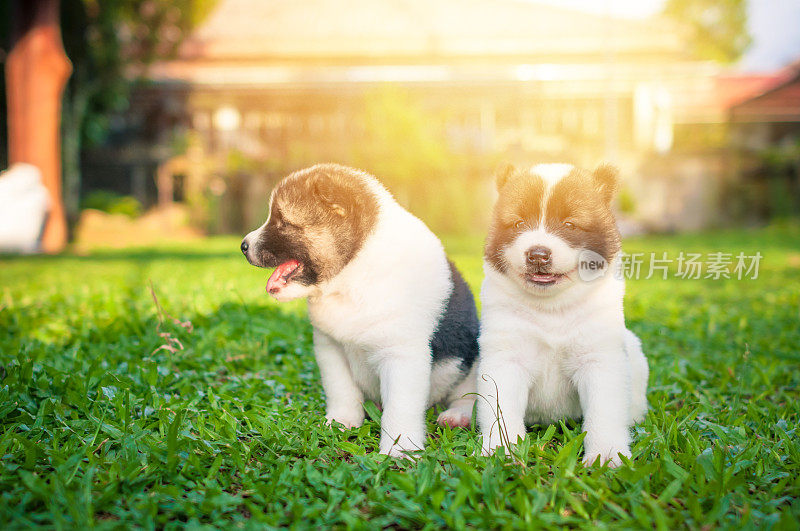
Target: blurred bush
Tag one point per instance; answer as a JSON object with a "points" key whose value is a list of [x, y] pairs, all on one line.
{"points": [[406, 147], [112, 203], [626, 201], [390, 133], [781, 165]]}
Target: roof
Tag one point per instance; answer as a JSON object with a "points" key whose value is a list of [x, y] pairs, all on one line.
{"points": [[370, 29], [779, 101], [710, 97]]}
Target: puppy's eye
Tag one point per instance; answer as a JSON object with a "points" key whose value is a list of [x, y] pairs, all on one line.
{"points": [[519, 224], [569, 224]]}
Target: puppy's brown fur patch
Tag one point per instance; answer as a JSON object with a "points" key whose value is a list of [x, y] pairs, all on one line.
{"points": [[517, 209], [577, 208], [320, 216]]}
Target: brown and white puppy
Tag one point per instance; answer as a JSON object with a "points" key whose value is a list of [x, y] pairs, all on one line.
{"points": [[553, 337], [393, 320]]}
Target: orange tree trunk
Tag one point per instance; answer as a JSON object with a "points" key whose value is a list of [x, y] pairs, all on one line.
{"points": [[37, 70]]}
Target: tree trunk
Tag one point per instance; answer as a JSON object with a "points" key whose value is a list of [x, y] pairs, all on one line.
{"points": [[76, 100], [37, 70]]}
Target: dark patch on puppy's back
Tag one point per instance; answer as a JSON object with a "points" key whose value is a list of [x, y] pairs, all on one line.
{"points": [[456, 334]]}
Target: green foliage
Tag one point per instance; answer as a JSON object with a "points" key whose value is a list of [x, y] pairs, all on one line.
{"points": [[113, 203], [238, 162], [781, 165], [401, 143], [114, 413], [626, 201], [782, 158], [111, 43], [717, 28], [406, 147]]}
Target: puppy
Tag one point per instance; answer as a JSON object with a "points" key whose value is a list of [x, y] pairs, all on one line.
{"points": [[553, 339], [394, 321]]}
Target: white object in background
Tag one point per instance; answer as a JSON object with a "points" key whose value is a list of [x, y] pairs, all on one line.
{"points": [[653, 117], [23, 207]]}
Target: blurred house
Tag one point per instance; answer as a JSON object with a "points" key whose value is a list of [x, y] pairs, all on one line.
{"points": [[766, 145], [280, 84]]}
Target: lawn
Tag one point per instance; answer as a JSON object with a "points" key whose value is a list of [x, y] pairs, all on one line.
{"points": [[207, 409]]}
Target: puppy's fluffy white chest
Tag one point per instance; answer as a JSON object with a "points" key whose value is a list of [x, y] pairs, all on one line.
{"points": [[372, 302], [549, 346], [553, 361]]}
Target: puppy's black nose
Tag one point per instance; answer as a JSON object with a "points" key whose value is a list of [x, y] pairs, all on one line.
{"points": [[245, 246], [538, 255]]}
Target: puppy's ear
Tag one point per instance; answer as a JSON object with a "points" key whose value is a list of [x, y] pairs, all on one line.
{"points": [[327, 193], [502, 173], [606, 177]]}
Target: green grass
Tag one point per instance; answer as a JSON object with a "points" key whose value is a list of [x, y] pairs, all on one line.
{"points": [[110, 417]]}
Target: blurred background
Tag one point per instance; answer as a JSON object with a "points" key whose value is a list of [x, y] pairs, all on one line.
{"points": [[147, 120]]}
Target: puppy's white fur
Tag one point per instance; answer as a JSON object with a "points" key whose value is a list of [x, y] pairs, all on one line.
{"points": [[560, 351]]}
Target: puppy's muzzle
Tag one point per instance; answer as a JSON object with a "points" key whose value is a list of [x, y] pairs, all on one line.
{"points": [[250, 252]]}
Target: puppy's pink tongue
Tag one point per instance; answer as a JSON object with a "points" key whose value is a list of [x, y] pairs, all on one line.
{"points": [[543, 277], [277, 279]]}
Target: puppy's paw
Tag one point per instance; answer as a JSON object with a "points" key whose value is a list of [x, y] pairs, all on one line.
{"points": [[609, 456], [455, 418], [403, 447], [347, 419], [399, 453], [639, 411], [606, 444], [490, 445]]}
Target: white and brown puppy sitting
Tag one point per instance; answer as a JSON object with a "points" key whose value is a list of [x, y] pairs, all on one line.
{"points": [[553, 337], [393, 320]]}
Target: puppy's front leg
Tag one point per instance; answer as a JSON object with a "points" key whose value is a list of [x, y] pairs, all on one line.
{"points": [[405, 385], [604, 392], [343, 398], [502, 399]]}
